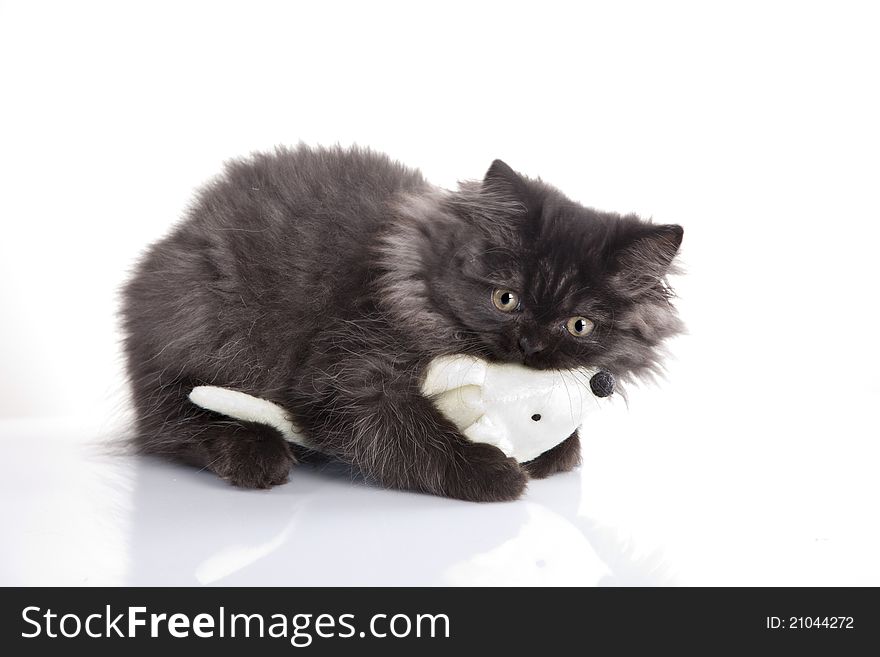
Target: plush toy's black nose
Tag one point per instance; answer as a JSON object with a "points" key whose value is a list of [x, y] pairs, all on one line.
{"points": [[602, 383]]}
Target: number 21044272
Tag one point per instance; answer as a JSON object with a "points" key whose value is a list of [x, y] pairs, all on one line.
{"points": [[810, 622]]}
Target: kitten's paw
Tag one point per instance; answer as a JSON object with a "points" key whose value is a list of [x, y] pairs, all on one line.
{"points": [[562, 458], [482, 473], [249, 462]]}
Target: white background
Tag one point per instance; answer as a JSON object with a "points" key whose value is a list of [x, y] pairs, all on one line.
{"points": [[754, 125]]}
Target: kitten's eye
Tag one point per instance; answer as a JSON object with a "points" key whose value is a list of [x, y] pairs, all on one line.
{"points": [[505, 300], [579, 326]]}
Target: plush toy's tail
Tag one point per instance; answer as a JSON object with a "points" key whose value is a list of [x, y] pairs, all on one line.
{"points": [[242, 406]]}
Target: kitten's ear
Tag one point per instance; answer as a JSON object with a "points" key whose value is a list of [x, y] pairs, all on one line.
{"points": [[641, 264], [501, 178]]}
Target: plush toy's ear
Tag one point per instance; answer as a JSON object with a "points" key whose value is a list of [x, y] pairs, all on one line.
{"points": [[640, 265], [501, 178]]}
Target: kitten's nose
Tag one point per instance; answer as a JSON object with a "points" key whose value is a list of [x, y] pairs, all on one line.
{"points": [[530, 346]]}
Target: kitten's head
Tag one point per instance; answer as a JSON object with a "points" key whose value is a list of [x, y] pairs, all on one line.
{"points": [[511, 270]]}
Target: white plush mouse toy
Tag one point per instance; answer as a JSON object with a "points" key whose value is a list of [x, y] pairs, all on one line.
{"points": [[523, 412]]}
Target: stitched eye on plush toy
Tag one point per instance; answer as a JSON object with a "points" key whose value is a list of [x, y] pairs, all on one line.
{"points": [[579, 326], [505, 300]]}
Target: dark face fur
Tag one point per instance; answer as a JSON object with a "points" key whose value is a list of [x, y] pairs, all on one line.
{"points": [[513, 271]]}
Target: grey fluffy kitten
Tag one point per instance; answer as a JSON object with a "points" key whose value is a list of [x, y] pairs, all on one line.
{"points": [[325, 280]]}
